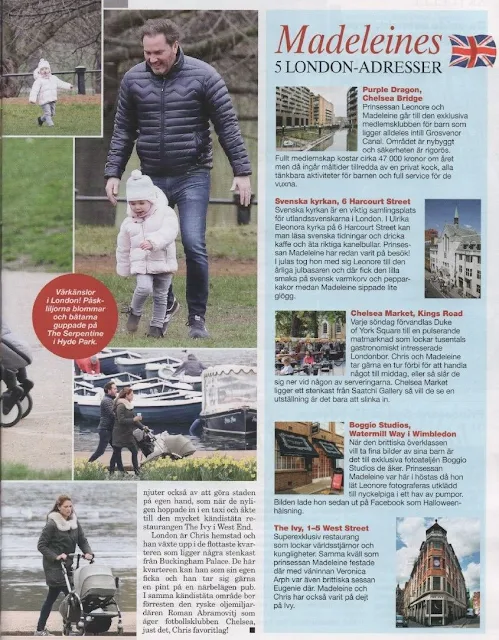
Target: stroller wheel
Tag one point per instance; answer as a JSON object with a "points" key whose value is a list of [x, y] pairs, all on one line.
{"points": [[26, 405], [12, 417]]}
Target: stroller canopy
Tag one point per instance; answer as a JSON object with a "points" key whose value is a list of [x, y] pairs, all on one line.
{"points": [[94, 580]]}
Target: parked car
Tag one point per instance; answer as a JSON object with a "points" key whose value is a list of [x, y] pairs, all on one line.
{"points": [[400, 621], [470, 613]]}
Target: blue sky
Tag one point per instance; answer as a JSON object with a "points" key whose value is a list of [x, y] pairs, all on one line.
{"points": [[462, 533], [438, 213]]}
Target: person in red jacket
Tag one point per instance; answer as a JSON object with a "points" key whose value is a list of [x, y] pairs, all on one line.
{"points": [[89, 365]]}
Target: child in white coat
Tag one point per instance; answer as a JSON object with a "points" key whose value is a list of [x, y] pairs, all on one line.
{"points": [[146, 248], [44, 91]]}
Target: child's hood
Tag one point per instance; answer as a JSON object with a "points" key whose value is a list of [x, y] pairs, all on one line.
{"points": [[42, 64], [159, 205]]}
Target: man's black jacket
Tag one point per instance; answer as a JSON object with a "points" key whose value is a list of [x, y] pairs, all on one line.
{"points": [[168, 118]]}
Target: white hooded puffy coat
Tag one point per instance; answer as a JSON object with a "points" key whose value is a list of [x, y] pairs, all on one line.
{"points": [[45, 89], [160, 227]]}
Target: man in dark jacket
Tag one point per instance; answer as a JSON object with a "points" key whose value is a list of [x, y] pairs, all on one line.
{"points": [[106, 424], [165, 105], [191, 367]]}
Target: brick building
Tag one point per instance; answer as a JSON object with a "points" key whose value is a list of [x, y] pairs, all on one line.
{"points": [[435, 594], [306, 452]]}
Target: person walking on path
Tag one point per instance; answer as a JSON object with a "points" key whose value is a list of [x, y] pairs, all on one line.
{"points": [[106, 424], [165, 106], [125, 423], [59, 538]]}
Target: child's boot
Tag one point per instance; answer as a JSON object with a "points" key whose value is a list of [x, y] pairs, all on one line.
{"points": [[155, 332], [132, 324]]}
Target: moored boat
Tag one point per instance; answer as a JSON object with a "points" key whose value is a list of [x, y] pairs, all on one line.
{"points": [[137, 366], [229, 399]]}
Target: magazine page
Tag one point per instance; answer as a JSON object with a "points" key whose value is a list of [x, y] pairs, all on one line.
{"points": [[248, 302]]}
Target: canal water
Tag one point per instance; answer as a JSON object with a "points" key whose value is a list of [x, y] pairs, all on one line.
{"points": [[108, 518], [342, 140], [86, 437]]}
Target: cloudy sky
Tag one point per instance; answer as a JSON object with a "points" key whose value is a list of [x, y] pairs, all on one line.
{"points": [[438, 213], [336, 95], [462, 533]]}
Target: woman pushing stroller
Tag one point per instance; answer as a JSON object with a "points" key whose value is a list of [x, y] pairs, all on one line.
{"points": [[59, 538], [125, 423]]}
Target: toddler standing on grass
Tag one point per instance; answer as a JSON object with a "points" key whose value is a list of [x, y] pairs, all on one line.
{"points": [[146, 248], [44, 91]]}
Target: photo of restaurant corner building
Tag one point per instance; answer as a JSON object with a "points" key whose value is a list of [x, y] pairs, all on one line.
{"points": [[307, 457], [435, 594]]}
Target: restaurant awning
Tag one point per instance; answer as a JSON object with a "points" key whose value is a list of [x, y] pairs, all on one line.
{"points": [[330, 449], [292, 444]]}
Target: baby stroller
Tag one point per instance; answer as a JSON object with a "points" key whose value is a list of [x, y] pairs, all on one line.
{"points": [[16, 402], [162, 446], [91, 602]]}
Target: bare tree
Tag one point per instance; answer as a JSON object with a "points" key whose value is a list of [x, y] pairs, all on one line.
{"points": [[35, 28]]}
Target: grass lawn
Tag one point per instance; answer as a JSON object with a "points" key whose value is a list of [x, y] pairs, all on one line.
{"points": [[37, 204], [234, 242], [72, 118], [231, 315], [16, 471]]}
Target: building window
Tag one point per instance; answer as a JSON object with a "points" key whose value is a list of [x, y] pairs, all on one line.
{"points": [[288, 463], [469, 258], [437, 544], [478, 289], [324, 328], [460, 268], [479, 275], [479, 260], [469, 272], [436, 583]]}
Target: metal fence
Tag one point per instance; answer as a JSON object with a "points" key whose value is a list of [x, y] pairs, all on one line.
{"points": [[243, 214], [80, 72]]}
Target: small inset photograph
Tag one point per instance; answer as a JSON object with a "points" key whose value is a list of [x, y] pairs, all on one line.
{"points": [[438, 573], [453, 249], [51, 68], [310, 343], [309, 457], [37, 186], [75, 571], [316, 118], [166, 414]]}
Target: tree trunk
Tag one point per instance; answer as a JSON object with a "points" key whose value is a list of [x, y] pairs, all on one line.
{"points": [[90, 159]]}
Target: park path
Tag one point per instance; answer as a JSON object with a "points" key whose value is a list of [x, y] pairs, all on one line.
{"points": [[42, 440]]}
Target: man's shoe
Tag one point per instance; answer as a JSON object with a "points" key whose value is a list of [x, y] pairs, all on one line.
{"points": [[132, 324], [40, 122], [155, 332], [171, 311], [45, 632], [197, 328]]}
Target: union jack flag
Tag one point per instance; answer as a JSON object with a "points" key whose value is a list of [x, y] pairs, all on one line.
{"points": [[472, 51]]}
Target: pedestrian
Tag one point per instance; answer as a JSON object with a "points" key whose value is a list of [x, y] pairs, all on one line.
{"points": [[190, 367], [106, 423], [146, 249], [166, 104], [89, 365], [44, 91], [126, 420], [59, 538]]}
